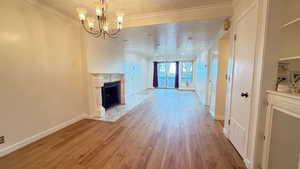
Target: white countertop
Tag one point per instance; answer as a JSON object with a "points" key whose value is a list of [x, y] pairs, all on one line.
{"points": [[289, 95]]}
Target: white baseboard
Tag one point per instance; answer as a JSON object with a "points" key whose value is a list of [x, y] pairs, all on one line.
{"points": [[39, 136], [212, 114], [248, 163], [187, 89], [225, 132]]}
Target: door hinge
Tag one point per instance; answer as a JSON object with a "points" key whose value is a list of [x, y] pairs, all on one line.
{"points": [[235, 37], [229, 122]]}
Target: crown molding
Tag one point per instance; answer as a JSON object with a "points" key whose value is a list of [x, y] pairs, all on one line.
{"points": [[186, 14], [215, 10], [45, 7]]}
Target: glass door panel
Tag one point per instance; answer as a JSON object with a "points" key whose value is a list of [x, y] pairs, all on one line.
{"points": [[162, 80], [186, 74], [166, 75], [171, 72]]}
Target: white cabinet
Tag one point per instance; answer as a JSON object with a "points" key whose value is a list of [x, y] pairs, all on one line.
{"points": [[282, 132]]}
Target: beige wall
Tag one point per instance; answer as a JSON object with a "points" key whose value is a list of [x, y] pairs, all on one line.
{"points": [[41, 70], [224, 52]]}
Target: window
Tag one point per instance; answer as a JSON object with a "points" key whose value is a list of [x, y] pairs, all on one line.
{"points": [[186, 72]]}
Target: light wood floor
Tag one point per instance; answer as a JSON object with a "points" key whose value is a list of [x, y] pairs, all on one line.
{"points": [[170, 130]]}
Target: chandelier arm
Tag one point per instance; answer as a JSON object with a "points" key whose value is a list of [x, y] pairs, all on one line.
{"points": [[114, 33], [99, 35], [113, 36], [88, 31]]}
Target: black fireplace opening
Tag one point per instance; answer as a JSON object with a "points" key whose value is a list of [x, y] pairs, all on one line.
{"points": [[110, 94]]}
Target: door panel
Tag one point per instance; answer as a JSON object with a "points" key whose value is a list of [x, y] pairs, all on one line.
{"points": [[242, 80]]}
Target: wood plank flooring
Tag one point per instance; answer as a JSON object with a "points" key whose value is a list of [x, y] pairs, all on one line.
{"points": [[169, 130]]}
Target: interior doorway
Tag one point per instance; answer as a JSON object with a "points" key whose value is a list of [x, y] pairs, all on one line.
{"points": [[166, 75], [222, 76]]}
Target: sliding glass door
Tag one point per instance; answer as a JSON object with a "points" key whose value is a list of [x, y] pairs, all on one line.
{"points": [[166, 74]]}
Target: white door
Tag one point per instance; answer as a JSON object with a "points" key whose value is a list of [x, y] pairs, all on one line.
{"points": [[245, 43]]}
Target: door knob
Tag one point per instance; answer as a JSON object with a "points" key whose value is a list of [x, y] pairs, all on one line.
{"points": [[245, 94]]}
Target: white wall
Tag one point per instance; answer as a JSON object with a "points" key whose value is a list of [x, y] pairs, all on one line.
{"points": [[201, 76], [112, 56], [42, 71], [213, 77], [150, 74]]}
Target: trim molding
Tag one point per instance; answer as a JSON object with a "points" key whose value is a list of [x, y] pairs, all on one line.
{"points": [[224, 9], [40, 135], [215, 10], [247, 163], [212, 114], [225, 132], [245, 11]]}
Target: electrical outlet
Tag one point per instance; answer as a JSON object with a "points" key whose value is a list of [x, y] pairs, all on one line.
{"points": [[2, 140]]}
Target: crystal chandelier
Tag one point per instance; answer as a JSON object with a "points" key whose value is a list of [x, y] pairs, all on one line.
{"points": [[99, 27]]}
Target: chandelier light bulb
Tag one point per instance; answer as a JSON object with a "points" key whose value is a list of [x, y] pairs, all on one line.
{"points": [[120, 19], [81, 13], [91, 22], [105, 27], [99, 9]]}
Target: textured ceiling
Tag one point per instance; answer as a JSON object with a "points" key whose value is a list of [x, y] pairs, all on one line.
{"points": [[182, 39], [128, 7]]}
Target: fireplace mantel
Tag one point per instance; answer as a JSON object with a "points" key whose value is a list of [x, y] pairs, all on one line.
{"points": [[97, 82]]}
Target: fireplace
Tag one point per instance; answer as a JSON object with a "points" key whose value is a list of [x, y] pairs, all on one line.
{"points": [[110, 94], [106, 82]]}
